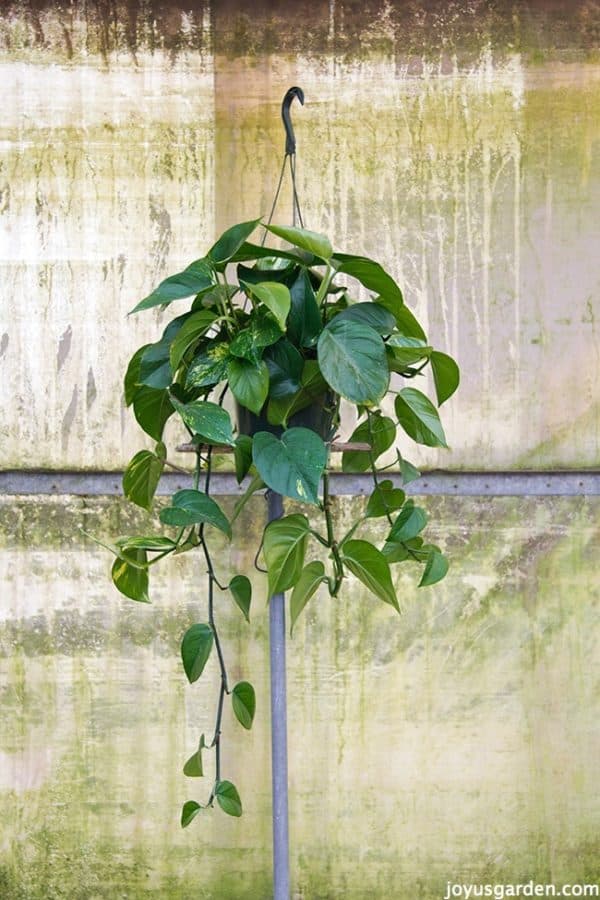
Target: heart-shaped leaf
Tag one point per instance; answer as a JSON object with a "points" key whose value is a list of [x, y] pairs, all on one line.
{"points": [[141, 477], [243, 700], [230, 242], [304, 322], [156, 543], [372, 568], [152, 408], [380, 433], [292, 466], [131, 580], [190, 507], [385, 499], [197, 277], [195, 649], [228, 798], [410, 522], [189, 812], [189, 334], [208, 368], [435, 568], [353, 361], [371, 274], [275, 296], [311, 577], [209, 420], [419, 418], [285, 365], [373, 314], [241, 591], [249, 383], [311, 241], [193, 767], [131, 381], [242, 453], [284, 548], [446, 375]]}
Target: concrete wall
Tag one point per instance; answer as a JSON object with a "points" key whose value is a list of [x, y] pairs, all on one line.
{"points": [[459, 144]]}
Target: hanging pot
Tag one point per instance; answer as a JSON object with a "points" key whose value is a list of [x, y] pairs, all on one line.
{"points": [[318, 417]]}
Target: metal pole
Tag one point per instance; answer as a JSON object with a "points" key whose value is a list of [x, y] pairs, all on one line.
{"points": [[279, 766]]}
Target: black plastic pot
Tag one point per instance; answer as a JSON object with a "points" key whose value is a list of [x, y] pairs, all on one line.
{"points": [[318, 417]]}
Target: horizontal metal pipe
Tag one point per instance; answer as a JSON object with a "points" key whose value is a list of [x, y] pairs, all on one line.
{"points": [[469, 484]]}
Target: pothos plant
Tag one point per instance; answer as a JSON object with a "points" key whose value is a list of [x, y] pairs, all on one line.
{"points": [[280, 331]]}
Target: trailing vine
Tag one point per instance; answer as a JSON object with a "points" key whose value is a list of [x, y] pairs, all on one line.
{"points": [[287, 340]]}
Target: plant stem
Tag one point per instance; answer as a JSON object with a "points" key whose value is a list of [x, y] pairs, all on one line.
{"points": [[337, 561], [374, 467], [212, 580]]}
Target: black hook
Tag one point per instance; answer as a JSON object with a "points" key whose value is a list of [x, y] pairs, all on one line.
{"points": [[290, 138]]}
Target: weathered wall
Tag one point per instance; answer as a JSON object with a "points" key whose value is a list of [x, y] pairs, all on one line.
{"points": [[461, 150], [459, 742], [458, 142]]}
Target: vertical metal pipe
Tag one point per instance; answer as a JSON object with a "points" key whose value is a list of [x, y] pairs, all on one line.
{"points": [[279, 766]]}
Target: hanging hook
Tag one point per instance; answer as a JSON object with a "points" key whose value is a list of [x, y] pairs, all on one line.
{"points": [[290, 138]]}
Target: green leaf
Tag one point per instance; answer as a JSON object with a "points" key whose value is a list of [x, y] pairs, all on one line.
{"points": [[197, 277], [275, 296], [284, 549], [195, 649], [395, 552], [155, 368], [243, 700], [372, 568], [230, 242], [371, 274], [131, 580], [311, 241], [208, 368], [406, 351], [156, 543], [228, 798], [256, 484], [353, 361], [152, 408], [435, 568], [384, 499], [131, 382], [406, 322], [242, 453], [409, 523], [310, 578], [190, 507], [141, 477], [409, 472], [446, 375], [371, 314], [262, 331], [312, 389], [241, 591], [292, 466], [250, 251], [189, 334], [209, 420], [189, 812], [380, 436], [259, 272], [193, 767], [419, 418], [304, 321], [285, 365], [249, 383]]}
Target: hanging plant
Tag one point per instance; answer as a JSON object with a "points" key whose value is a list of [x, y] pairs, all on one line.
{"points": [[280, 331]]}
